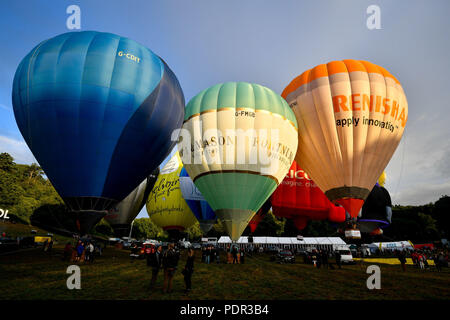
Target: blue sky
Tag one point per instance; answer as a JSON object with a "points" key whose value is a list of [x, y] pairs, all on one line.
{"points": [[269, 42]]}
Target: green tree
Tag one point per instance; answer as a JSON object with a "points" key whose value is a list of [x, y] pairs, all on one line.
{"points": [[441, 212], [144, 228], [7, 163], [194, 231], [319, 228], [269, 226], [103, 228], [290, 230]]}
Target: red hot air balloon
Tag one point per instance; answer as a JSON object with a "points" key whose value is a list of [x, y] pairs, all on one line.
{"points": [[257, 218], [300, 199]]}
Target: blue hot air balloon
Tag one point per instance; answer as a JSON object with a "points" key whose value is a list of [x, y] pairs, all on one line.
{"points": [[97, 110], [196, 202]]}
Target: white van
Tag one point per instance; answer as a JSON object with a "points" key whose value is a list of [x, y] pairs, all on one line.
{"points": [[346, 254]]}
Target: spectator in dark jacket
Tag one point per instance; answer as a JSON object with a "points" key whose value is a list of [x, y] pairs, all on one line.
{"points": [[217, 255], [67, 251], [203, 254], [154, 260], [338, 259], [242, 259], [189, 270], [325, 258], [402, 259], [234, 252], [170, 263], [208, 255], [80, 250]]}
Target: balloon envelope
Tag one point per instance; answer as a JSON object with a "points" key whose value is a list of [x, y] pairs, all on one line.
{"points": [[196, 202], [122, 215], [97, 110], [242, 140], [351, 116], [257, 218], [376, 211], [300, 199], [165, 204]]}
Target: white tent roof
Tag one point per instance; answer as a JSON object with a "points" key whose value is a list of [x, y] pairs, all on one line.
{"points": [[286, 240]]}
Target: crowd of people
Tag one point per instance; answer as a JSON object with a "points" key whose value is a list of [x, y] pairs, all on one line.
{"points": [[321, 258], [168, 262], [420, 259], [81, 252], [210, 254]]}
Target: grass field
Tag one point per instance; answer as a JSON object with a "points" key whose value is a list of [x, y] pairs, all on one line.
{"points": [[33, 274]]}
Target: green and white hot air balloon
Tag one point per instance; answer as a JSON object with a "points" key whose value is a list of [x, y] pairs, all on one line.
{"points": [[237, 143]]}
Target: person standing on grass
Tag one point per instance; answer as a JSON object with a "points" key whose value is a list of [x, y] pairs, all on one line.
{"points": [[154, 260], [338, 259], [208, 255], [242, 256], [325, 258], [402, 258], [421, 259], [80, 249], [217, 255], [91, 252], [50, 246], [234, 253], [319, 259], [86, 252], [189, 270], [67, 251], [204, 254], [436, 262], [314, 258], [170, 263]]}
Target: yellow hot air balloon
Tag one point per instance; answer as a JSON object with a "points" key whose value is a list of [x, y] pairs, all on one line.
{"points": [[165, 205], [351, 116], [382, 179]]}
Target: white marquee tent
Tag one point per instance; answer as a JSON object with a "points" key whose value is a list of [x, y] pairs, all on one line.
{"points": [[329, 243]]}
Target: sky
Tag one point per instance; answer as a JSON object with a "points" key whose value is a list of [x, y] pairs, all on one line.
{"points": [[268, 42]]}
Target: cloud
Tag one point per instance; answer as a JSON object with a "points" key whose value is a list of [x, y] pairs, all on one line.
{"points": [[17, 149], [426, 193], [443, 164]]}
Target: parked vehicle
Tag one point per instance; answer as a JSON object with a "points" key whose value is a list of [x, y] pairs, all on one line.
{"points": [[196, 245], [285, 256], [272, 249], [346, 256]]}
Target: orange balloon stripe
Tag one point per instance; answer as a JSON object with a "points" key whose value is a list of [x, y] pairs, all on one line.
{"points": [[334, 67]]}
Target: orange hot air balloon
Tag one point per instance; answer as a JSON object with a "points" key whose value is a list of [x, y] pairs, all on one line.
{"points": [[351, 116], [300, 199]]}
